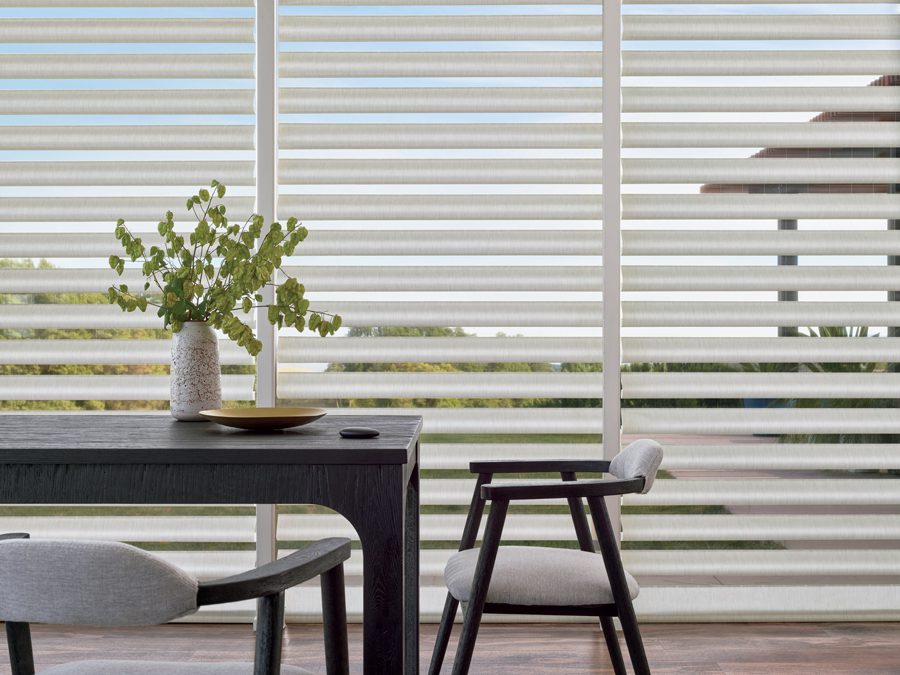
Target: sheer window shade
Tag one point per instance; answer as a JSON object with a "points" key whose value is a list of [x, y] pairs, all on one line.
{"points": [[101, 117], [447, 163], [760, 173]]}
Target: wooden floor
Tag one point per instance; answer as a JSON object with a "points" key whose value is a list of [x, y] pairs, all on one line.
{"points": [[563, 649]]}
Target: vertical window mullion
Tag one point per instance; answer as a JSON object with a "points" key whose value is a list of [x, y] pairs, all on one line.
{"points": [[266, 206], [612, 233]]}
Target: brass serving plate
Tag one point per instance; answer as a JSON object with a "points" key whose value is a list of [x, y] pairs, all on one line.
{"points": [[263, 419]]}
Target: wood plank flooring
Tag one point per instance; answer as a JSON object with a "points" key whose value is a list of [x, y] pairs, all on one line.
{"points": [[523, 649]]}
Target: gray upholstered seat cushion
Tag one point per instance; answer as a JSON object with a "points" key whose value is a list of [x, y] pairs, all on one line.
{"points": [[90, 583], [159, 668], [536, 575]]}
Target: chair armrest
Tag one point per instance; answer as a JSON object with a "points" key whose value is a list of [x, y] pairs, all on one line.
{"points": [[278, 575], [539, 466], [15, 535], [561, 489]]}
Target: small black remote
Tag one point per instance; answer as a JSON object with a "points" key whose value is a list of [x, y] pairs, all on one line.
{"points": [[359, 432]]}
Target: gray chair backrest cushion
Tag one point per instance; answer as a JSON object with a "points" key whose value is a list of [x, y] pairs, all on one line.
{"points": [[641, 458], [90, 583]]}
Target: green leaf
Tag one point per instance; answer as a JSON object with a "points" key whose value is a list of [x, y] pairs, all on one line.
{"points": [[254, 347], [193, 286]]}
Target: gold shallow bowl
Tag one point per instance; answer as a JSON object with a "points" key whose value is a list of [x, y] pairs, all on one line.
{"points": [[263, 418]]}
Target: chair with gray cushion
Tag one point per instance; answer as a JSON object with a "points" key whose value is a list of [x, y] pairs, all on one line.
{"points": [[543, 580], [102, 583]]}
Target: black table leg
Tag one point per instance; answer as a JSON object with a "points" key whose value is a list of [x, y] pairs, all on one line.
{"points": [[411, 572], [381, 533], [382, 503]]}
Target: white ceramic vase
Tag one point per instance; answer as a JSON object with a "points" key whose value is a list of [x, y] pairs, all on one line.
{"points": [[196, 375]]}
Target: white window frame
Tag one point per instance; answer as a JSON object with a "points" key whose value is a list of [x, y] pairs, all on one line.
{"points": [[266, 205]]}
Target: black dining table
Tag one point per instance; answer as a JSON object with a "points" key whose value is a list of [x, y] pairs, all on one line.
{"points": [[112, 458]]}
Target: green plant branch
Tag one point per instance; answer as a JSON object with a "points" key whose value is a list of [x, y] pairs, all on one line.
{"points": [[144, 297], [309, 311], [240, 235], [194, 288], [143, 256], [215, 229]]}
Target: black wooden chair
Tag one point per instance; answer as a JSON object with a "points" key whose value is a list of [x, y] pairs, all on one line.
{"points": [[542, 580], [101, 583]]}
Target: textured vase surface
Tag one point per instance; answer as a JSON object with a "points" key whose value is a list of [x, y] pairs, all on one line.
{"points": [[196, 375]]}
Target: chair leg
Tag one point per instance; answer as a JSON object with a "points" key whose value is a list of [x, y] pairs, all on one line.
{"points": [[612, 560], [269, 629], [451, 604], [633, 639], [612, 644], [480, 583], [334, 622], [18, 637]]}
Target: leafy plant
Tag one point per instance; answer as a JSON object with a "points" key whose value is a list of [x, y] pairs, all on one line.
{"points": [[860, 332], [402, 401], [191, 287], [767, 367]]}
